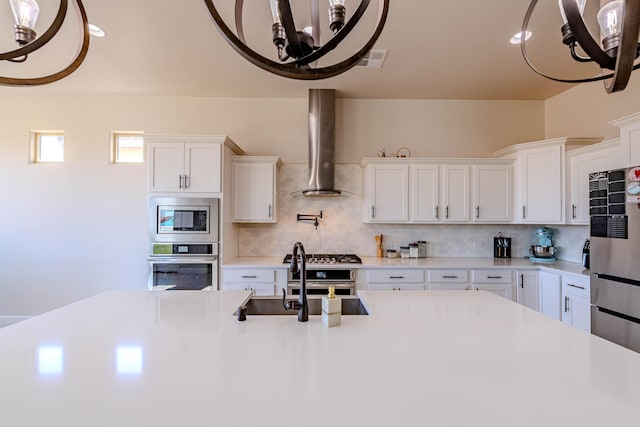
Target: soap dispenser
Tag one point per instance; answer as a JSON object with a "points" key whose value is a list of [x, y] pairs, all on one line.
{"points": [[331, 309]]}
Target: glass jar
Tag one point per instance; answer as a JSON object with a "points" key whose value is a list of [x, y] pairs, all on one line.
{"points": [[413, 250], [404, 251]]}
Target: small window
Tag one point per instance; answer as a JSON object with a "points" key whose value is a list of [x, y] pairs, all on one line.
{"points": [[127, 147], [47, 147]]}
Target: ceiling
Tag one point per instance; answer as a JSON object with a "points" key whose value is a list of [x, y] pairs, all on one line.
{"points": [[436, 50]]}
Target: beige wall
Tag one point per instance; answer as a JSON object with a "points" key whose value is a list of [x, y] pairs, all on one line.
{"points": [[586, 110]]}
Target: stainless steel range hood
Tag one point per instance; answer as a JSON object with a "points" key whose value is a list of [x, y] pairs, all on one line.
{"points": [[322, 143]]}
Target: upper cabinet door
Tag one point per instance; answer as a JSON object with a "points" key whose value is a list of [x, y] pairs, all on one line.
{"points": [[582, 162], [424, 193], [165, 163], [454, 186], [184, 167], [254, 195], [492, 195], [541, 185], [389, 193], [203, 167]]}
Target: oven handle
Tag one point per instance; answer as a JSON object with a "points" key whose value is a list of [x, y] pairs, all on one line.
{"points": [[183, 260]]}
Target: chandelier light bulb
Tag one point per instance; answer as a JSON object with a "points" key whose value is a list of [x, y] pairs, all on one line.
{"points": [[337, 15], [610, 18], [25, 12], [580, 3], [274, 12]]}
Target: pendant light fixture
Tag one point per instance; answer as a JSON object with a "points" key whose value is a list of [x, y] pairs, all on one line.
{"points": [[619, 22], [298, 50], [25, 14]]}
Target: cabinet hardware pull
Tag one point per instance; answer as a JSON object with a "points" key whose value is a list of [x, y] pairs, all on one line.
{"points": [[396, 277], [566, 304], [436, 212], [269, 210], [373, 211], [576, 286], [249, 277], [522, 281], [523, 212], [494, 277], [187, 184], [573, 211], [446, 212], [180, 182], [477, 212], [449, 277]]}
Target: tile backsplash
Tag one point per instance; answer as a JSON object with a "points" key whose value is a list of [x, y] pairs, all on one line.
{"points": [[341, 229]]}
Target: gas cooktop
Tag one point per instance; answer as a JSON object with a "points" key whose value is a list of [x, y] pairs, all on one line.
{"points": [[327, 259]]}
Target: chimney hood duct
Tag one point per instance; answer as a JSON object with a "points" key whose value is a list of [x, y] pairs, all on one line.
{"points": [[322, 143]]}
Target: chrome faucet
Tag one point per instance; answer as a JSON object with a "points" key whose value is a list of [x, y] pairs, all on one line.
{"points": [[299, 265]]}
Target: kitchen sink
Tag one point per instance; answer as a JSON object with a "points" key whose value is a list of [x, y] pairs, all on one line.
{"points": [[272, 306]]}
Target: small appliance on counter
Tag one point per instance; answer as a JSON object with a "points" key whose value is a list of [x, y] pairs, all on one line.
{"points": [[544, 251], [501, 246]]}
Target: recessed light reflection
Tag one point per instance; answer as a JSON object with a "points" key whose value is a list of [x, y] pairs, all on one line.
{"points": [[129, 360], [50, 360]]}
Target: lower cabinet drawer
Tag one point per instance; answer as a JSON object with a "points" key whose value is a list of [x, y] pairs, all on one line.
{"points": [[447, 276], [252, 275], [492, 276], [389, 275], [262, 289]]}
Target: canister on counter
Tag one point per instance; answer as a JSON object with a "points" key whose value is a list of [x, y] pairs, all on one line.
{"points": [[404, 251], [422, 249], [413, 250], [392, 253]]}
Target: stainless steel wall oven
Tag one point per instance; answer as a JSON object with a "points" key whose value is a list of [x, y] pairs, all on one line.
{"points": [[183, 243]]}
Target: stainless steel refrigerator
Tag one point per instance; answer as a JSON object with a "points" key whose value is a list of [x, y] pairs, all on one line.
{"points": [[614, 203]]}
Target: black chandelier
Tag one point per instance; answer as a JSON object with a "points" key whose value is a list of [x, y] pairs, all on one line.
{"points": [[619, 22], [298, 50], [25, 13]]}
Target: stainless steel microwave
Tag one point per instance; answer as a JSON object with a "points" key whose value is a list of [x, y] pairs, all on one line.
{"points": [[183, 219]]}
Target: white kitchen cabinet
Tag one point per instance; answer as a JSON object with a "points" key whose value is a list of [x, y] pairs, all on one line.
{"points": [[262, 281], [395, 279], [500, 282], [540, 179], [387, 192], [448, 286], [184, 167], [186, 163], [629, 154], [550, 294], [254, 183], [500, 289], [428, 190], [424, 192], [541, 185], [581, 162], [528, 289], [576, 306], [454, 191], [492, 193]]}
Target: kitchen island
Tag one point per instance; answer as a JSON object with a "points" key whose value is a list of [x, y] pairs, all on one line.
{"points": [[420, 358]]}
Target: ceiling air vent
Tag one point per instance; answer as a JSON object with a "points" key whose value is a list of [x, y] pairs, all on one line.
{"points": [[374, 58]]}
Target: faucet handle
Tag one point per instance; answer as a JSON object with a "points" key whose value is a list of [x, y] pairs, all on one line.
{"points": [[289, 305]]}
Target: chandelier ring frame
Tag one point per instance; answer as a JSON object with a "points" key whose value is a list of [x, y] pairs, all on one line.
{"points": [[44, 39], [299, 69]]}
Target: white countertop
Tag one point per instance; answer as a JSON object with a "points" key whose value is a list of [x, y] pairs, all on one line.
{"points": [[421, 358], [445, 263]]}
